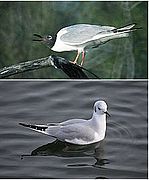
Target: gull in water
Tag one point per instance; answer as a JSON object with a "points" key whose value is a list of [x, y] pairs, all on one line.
{"points": [[77, 131], [81, 37]]}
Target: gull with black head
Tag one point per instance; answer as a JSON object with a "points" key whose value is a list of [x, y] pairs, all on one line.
{"points": [[78, 131], [81, 37]]}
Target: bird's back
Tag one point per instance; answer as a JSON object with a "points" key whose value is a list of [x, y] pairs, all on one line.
{"points": [[81, 33]]}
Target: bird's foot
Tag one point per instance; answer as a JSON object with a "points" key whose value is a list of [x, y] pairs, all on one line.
{"points": [[73, 62]]}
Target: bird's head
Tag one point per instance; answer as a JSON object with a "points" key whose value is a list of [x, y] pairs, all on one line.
{"points": [[47, 39], [100, 108]]}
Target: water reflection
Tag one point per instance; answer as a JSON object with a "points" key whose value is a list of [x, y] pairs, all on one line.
{"points": [[62, 149]]}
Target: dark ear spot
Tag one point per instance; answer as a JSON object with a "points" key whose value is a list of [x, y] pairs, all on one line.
{"points": [[95, 108]]}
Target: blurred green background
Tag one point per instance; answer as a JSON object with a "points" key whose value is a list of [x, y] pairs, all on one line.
{"points": [[120, 58]]}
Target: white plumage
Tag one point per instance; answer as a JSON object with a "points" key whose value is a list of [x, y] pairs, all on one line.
{"points": [[81, 37], [78, 131]]}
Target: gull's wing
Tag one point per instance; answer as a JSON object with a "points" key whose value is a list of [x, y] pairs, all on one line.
{"points": [[81, 33], [52, 129], [79, 133], [72, 121], [75, 131]]}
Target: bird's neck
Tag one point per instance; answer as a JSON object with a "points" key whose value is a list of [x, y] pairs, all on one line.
{"points": [[98, 118], [99, 123]]}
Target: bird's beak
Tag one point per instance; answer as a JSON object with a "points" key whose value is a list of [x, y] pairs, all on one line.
{"points": [[39, 36], [107, 113]]}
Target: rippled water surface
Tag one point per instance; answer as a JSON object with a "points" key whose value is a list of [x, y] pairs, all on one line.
{"points": [[28, 154]]}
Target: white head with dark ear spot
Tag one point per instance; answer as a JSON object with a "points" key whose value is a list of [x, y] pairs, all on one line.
{"points": [[100, 108]]}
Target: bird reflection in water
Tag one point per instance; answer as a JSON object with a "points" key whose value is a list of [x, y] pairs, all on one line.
{"points": [[63, 149]]}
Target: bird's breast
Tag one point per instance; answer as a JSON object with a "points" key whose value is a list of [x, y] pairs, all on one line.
{"points": [[60, 46]]}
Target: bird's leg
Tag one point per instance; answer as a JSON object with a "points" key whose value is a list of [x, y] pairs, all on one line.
{"points": [[76, 59], [83, 57]]}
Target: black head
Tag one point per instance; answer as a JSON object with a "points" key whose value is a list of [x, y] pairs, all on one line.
{"points": [[48, 40]]}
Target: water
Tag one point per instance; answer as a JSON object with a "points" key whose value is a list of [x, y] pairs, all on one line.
{"points": [[28, 154]]}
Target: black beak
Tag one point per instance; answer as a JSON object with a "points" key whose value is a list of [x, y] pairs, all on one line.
{"points": [[107, 113], [39, 36]]}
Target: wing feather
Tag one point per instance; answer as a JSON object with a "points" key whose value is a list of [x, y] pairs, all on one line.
{"points": [[82, 33]]}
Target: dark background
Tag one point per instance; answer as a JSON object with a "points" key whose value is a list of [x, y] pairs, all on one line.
{"points": [[121, 58]]}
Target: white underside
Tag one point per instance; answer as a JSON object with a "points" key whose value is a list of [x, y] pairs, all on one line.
{"points": [[80, 141], [61, 46], [94, 40]]}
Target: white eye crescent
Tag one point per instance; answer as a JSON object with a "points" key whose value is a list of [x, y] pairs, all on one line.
{"points": [[49, 37]]}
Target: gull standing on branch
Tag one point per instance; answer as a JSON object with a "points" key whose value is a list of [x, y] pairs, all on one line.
{"points": [[81, 37], [77, 131]]}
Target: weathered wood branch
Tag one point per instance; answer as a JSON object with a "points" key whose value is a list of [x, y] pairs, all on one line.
{"points": [[24, 66], [73, 71]]}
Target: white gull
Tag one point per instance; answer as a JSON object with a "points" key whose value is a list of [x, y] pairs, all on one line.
{"points": [[77, 131]]}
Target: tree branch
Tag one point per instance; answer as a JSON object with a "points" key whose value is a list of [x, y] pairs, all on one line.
{"points": [[73, 71], [24, 66]]}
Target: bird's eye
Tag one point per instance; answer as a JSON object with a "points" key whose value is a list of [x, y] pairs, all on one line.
{"points": [[49, 37], [99, 108]]}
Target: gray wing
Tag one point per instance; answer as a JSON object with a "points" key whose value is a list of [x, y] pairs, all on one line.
{"points": [[82, 33], [80, 131], [57, 129], [72, 121], [67, 122], [70, 133]]}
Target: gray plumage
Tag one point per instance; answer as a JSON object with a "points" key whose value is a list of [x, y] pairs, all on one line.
{"points": [[80, 33], [81, 37], [77, 131]]}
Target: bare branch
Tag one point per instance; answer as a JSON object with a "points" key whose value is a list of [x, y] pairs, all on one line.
{"points": [[25, 66], [73, 71]]}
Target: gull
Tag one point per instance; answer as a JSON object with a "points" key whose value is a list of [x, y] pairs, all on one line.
{"points": [[77, 131], [81, 37]]}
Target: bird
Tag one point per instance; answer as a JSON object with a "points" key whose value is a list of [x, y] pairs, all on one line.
{"points": [[77, 131], [81, 37]]}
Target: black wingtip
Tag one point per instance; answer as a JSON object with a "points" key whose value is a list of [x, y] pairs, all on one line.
{"points": [[21, 124], [34, 127]]}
